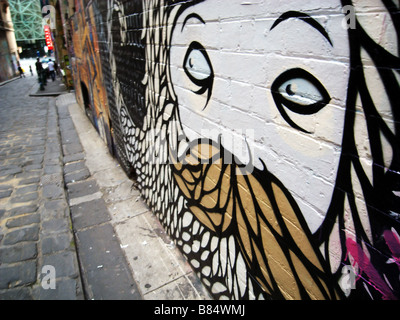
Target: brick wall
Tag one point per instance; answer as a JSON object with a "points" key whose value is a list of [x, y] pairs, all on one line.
{"points": [[264, 136]]}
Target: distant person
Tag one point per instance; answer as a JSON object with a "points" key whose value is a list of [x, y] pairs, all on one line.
{"points": [[51, 70], [56, 68], [39, 67], [30, 69], [40, 72], [21, 72]]}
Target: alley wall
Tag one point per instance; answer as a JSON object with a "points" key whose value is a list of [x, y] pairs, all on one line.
{"points": [[264, 135]]}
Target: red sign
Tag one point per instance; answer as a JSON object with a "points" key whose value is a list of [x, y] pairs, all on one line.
{"points": [[47, 36]]}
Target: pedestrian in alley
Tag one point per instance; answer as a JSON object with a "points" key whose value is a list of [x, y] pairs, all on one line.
{"points": [[21, 72], [40, 72], [39, 67], [51, 70], [56, 68], [30, 69]]}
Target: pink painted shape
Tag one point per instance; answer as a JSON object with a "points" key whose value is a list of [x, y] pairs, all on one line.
{"points": [[365, 265], [393, 242]]}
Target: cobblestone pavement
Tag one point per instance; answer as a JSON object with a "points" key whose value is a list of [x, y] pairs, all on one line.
{"points": [[35, 226]]}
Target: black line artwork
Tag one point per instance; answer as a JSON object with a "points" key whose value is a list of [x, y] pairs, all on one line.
{"points": [[298, 102], [249, 234]]}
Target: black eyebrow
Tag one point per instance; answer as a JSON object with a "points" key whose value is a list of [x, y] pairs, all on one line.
{"points": [[192, 15], [304, 17]]}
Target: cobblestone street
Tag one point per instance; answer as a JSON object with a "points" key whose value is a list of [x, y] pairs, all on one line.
{"points": [[35, 228]]}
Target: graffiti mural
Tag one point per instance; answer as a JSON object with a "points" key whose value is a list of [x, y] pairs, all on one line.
{"points": [[267, 147], [87, 67]]}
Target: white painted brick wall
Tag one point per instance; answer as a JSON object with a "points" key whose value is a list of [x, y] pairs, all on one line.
{"points": [[247, 57]]}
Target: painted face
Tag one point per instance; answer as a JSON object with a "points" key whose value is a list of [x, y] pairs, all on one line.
{"points": [[272, 89]]}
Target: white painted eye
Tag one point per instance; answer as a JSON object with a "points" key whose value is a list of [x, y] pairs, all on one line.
{"points": [[197, 66], [300, 91]]}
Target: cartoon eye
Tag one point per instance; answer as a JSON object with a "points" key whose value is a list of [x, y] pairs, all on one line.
{"points": [[197, 65], [198, 68], [300, 92]]}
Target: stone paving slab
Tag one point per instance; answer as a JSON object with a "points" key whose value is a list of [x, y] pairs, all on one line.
{"points": [[107, 274], [98, 214], [105, 271]]}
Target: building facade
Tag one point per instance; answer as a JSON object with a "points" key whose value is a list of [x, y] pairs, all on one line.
{"points": [[55, 14], [8, 46], [28, 24], [264, 135]]}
